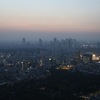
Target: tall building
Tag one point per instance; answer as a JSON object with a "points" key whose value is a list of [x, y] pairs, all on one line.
{"points": [[55, 40], [70, 43], [78, 56], [40, 42], [23, 41]]}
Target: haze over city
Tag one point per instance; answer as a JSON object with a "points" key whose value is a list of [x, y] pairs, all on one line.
{"points": [[46, 19], [49, 49]]}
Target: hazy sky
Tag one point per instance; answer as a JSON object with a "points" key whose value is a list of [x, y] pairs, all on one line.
{"points": [[51, 16]]}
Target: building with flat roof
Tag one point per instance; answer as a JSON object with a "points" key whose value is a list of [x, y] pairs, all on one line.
{"points": [[90, 57]]}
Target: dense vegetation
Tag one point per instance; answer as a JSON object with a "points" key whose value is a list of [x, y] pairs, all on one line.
{"points": [[61, 85]]}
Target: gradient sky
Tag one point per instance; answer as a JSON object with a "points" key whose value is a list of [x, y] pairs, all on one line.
{"points": [[82, 16]]}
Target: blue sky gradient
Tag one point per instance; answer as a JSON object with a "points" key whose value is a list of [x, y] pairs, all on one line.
{"points": [[62, 16]]}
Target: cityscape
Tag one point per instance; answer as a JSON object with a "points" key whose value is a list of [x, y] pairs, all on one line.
{"points": [[49, 49], [23, 62]]}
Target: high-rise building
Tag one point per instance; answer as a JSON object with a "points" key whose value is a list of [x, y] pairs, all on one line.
{"points": [[70, 43], [40, 42], [55, 40], [23, 41]]}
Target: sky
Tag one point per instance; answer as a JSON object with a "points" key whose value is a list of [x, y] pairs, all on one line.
{"points": [[49, 18]]}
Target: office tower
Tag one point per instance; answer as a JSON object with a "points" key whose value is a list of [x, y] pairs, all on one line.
{"points": [[23, 41], [40, 42]]}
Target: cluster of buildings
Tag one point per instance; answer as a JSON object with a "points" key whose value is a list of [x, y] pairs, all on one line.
{"points": [[55, 43], [87, 62], [91, 57], [26, 60], [20, 65], [86, 57]]}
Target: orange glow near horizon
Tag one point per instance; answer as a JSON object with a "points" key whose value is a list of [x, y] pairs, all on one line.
{"points": [[49, 26], [50, 15]]}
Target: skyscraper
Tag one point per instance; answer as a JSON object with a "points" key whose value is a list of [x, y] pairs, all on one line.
{"points": [[23, 41]]}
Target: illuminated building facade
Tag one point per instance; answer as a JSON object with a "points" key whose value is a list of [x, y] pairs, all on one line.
{"points": [[90, 57]]}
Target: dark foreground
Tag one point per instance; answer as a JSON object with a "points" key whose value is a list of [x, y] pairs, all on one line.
{"points": [[60, 85]]}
